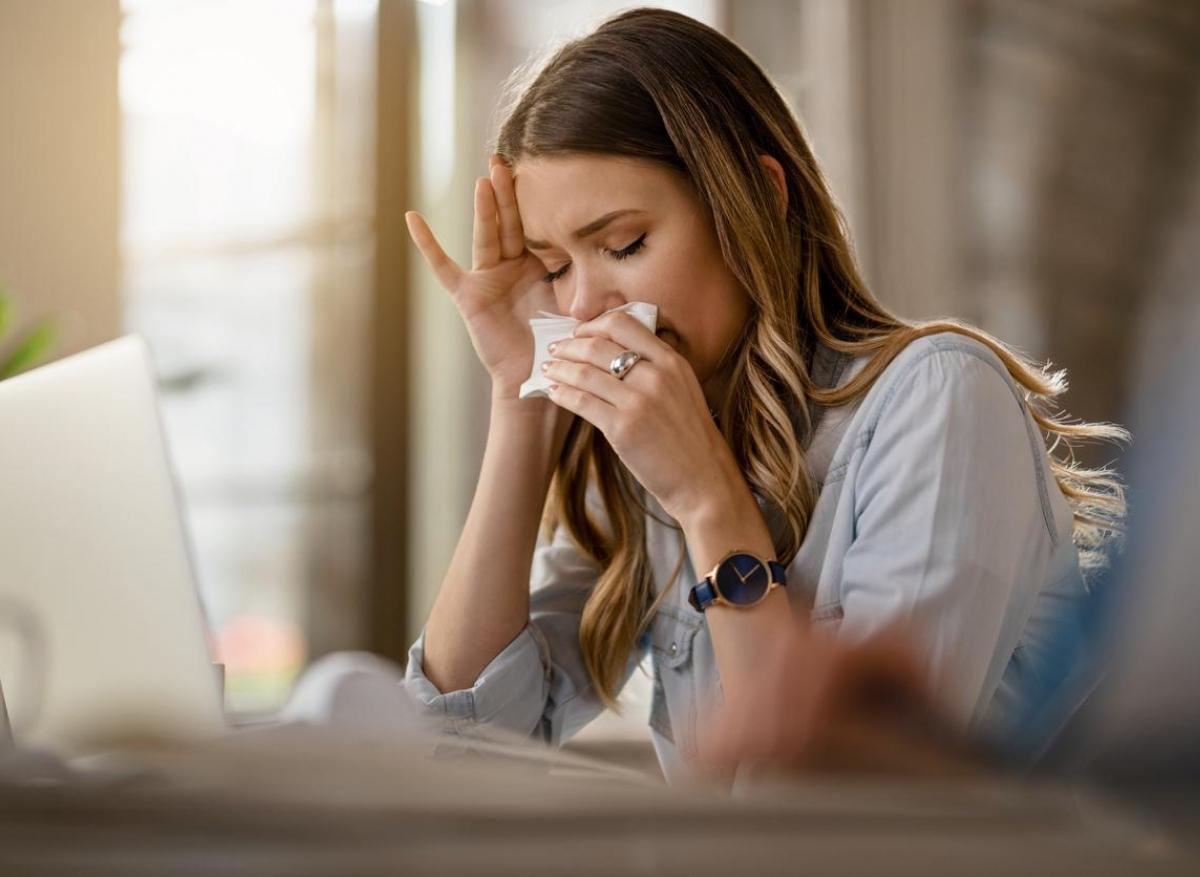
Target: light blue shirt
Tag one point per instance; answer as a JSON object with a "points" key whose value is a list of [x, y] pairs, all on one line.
{"points": [[937, 510]]}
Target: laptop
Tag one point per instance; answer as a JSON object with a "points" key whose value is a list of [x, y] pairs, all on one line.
{"points": [[102, 634]]}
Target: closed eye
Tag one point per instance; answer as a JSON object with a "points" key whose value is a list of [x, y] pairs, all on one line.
{"points": [[623, 253]]}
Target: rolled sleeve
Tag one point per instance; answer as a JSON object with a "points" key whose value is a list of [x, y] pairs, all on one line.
{"points": [[506, 694], [951, 528], [538, 685]]}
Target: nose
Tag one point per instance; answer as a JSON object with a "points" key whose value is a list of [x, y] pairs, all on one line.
{"points": [[593, 296]]}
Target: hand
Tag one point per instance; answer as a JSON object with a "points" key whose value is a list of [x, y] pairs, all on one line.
{"points": [[820, 704], [504, 287], [656, 419]]}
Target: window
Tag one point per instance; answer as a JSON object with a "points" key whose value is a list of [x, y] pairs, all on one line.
{"points": [[247, 242]]}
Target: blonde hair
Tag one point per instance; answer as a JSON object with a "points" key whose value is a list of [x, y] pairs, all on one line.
{"points": [[660, 86]]}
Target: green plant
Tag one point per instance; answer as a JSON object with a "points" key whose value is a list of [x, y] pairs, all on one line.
{"points": [[30, 347]]}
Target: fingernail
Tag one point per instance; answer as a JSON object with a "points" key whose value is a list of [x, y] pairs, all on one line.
{"points": [[553, 388], [551, 347], [545, 366]]}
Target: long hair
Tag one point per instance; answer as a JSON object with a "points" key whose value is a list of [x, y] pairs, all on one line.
{"points": [[657, 85]]}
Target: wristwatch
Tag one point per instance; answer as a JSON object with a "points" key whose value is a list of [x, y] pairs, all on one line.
{"points": [[740, 579]]}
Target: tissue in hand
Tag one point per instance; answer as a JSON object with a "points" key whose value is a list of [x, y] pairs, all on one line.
{"points": [[548, 328]]}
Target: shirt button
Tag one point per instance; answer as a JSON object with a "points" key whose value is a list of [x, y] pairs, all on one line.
{"points": [[674, 648]]}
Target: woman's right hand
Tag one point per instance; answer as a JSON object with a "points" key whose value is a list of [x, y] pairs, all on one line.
{"points": [[505, 286]]}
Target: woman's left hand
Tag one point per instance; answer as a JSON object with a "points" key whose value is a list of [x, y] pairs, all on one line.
{"points": [[656, 419]]}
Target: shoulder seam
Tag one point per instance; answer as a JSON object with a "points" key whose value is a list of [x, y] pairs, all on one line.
{"points": [[916, 359]]}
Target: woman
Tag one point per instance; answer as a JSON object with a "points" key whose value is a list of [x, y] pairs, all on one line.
{"points": [[895, 472]]}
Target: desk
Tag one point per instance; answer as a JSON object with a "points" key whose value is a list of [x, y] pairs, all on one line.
{"points": [[302, 800]]}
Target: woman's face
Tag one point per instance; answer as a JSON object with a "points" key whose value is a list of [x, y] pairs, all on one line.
{"points": [[614, 230]]}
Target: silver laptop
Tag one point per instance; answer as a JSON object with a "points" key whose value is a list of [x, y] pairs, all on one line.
{"points": [[102, 635]]}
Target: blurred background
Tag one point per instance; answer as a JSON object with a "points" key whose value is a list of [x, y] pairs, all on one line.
{"points": [[228, 178]]}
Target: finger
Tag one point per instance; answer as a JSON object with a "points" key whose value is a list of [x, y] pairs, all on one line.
{"points": [[598, 382], [628, 333], [591, 408], [600, 352], [485, 241], [512, 234], [445, 269], [596, 350]]}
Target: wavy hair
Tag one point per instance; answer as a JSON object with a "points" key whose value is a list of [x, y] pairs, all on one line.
{"points": [[656, 85]]}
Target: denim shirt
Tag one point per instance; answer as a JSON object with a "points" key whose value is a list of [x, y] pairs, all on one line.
{"points": [[937, 510]]}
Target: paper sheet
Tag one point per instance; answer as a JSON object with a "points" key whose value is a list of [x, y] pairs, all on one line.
{"points": [[548, 328]]}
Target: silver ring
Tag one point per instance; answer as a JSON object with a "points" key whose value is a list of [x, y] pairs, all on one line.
{"points": [[622, 363]]}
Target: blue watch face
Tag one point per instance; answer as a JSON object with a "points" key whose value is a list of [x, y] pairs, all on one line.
{"points": [[742, 579]]}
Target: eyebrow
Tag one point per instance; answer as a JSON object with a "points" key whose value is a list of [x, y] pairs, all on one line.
{"points": [[586, 231]]}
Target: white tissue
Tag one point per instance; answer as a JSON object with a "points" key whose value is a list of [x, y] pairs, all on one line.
{"points": [[548, 328]]}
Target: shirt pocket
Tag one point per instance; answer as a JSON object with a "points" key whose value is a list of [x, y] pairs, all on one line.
{"points": [[673, 706]]}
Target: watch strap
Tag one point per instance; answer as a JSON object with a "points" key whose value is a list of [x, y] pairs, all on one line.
{"points": [[702, 595]]}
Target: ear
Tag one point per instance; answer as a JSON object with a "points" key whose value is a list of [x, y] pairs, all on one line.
{"points": [[778, 180]]}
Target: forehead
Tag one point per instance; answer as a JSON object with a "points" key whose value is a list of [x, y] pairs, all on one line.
{"points": [[556, 195]]}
